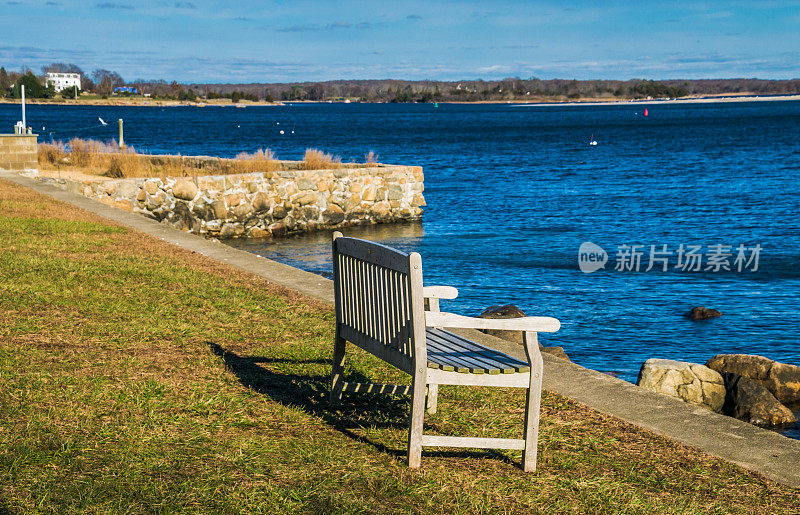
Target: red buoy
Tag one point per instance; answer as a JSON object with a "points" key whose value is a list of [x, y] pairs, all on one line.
{"points": [[645, 111]]}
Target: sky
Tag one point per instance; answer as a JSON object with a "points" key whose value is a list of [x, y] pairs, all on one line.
{"points": [[302, 40]]}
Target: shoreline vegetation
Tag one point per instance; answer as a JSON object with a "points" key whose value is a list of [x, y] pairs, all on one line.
{"points": [[108, 160], [105, 87], [142, 377], [149, 102]]}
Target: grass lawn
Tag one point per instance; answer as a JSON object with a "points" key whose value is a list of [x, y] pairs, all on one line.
{"points": [[139, 377]]}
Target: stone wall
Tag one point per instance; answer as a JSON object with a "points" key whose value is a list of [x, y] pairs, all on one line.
{"points": [[18, 152], [267, 204]]}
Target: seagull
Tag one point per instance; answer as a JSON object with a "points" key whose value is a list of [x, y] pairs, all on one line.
{"points": [[102, 122]]}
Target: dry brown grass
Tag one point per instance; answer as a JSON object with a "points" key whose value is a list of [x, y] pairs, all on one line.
{"points": [[141, 377], [52, 153], [262, 160], [107, 159], [371, 157], [315, 159]]}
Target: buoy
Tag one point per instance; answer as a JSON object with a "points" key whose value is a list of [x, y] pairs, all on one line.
{"points": [[645, 111], [281, 132]]}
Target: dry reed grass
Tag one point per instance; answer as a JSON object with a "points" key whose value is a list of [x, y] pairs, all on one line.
{"points": [[371, 157], [108, 159], [262, 160], [315, 159]]}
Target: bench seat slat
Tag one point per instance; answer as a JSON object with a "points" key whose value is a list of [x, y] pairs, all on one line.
{"points": [[440, 351], [444, 357], [445, 348], [486, 353], [480, 356]]}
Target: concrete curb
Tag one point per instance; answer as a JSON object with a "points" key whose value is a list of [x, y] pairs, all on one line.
{"points": [[753, 448]]}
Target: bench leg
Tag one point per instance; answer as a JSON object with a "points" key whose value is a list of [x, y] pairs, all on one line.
{"points": [[532, 402], [338, 369], [417, 420], [433, 398]]}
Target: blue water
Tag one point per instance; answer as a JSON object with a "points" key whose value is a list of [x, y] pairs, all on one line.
{"points": [[512, 193]]}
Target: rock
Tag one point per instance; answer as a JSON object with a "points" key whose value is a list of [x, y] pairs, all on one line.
{"points": [[233, 199], [151, 187], [202, 210], [261, 203], [127, 189], [305, 184], [278, 229], [181, 217], [748, 365], [380, 211], [231, 230], [784, 382], [701, 313], [555, 351], [689, 382], [279, 212], [505, 311], [156, 201], [243, 211], [141, 196], [258, 232], [395, 192], [219, 209], [352, 203], [307, 199], [333, 215], [110, 187], [184, 189], [418, 200], [368, 195], [750, 401]]}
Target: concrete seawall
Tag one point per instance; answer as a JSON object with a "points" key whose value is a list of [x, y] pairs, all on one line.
{"points": [[264, 204], [18, 152]]}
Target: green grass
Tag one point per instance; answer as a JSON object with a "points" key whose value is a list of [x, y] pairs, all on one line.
{"points": [[138, 377]]}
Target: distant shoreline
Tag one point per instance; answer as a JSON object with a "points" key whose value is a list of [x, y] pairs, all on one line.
{"points": [[124, 102], [699, 100]]}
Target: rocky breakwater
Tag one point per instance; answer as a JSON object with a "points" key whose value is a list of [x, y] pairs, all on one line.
{"points": [[266, 204], [752, 388]]}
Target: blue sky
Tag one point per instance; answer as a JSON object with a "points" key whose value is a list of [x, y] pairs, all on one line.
{"points": [[296, 40]]}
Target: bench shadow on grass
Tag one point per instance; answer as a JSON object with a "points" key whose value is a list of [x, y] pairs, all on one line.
{"points": [[310, 393]]}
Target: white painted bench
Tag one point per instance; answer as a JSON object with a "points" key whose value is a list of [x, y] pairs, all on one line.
{"points": [[380, 307]]}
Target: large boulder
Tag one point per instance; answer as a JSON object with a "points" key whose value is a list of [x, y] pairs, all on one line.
{"points": [[689, 382], [504, 311], [781, 379], [784, 382], [748, 400], [748, 365], [701, 313], [511, 311], [184, 189]]}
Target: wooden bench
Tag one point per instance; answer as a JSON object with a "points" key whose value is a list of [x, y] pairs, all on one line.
{"points": [[380, 303]]}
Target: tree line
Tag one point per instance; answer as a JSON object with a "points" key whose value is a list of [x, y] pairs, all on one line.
{"points": [[103, 82]]}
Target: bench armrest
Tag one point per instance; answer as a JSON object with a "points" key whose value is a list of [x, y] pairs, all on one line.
{"points": [[439, 292], [534, 324]]}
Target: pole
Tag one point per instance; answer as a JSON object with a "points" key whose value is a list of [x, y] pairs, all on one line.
{"points": [[121, 139], [24, 121]]}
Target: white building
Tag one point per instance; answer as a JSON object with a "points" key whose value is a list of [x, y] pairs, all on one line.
{"points": [[62, 81]]}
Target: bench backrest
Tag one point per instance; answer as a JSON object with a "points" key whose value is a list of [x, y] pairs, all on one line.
{"points": [[379, 302]]}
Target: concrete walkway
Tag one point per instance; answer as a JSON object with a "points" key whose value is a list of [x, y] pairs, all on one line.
{"points": [[760, 450]]}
